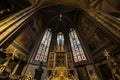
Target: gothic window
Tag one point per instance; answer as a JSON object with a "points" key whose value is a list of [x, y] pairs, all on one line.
{"points": [[44, 47], [77, 50], [60, 40]]}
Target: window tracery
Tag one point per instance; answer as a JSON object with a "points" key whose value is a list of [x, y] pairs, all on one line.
{"points": [[44, 47], [60, 40], [77, 50]]}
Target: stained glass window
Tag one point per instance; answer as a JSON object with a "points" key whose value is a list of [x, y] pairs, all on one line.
{"points": [[60, 40], [44, 47], [77, 50]]}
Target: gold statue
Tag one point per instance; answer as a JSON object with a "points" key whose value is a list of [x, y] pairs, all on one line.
{"points": [[8, 58], [115, 69]]}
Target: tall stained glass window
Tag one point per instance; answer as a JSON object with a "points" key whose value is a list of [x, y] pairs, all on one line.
{"points": [[42, 52], [60, 40], [77, 50]]}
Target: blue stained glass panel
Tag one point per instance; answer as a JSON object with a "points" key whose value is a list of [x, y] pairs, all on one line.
{"points": [[44, 46], [78, 52]]}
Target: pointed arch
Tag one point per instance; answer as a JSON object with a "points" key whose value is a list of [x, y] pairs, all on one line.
{"points": [[42, 52], [77, 50], [60, 40]]}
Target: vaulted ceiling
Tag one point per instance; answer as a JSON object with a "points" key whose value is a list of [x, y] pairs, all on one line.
{"points": [[8, 7], [111, 7], [60, 17]]}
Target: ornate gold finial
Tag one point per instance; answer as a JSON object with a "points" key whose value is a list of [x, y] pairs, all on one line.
{"points": [[94, 77], [106, 54], [28, 76], [8, 58]]}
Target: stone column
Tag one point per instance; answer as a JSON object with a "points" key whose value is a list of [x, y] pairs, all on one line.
{"points": [[15, 68], [10, 26]]}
